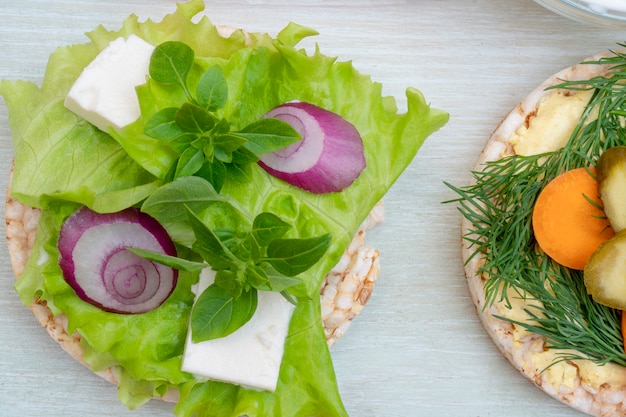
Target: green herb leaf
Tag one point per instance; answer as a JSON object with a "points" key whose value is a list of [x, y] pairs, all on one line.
{"points": [[224, 146], [191, 192], [223, 156], [209, 246], [162, 125], [217, 313], [194, 119], [189, 162], [231, 281], [257, 278], [243, 157], [293, 300], [214, 172], [228, 142], [171, 62], [268, 135], [212, 90], [248, 250], [167, 260], [279, 282], [267, 227], [294, 256]]}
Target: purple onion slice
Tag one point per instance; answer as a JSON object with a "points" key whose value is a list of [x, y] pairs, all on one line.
{"points": [[96, 264], [329, 157]]}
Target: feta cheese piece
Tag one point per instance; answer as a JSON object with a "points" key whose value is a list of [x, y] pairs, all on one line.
{"points": [[104, 93], [251, 356]]}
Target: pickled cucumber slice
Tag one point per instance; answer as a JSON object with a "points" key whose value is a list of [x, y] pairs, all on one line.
{"points": [[611, 170], [605, 273]]}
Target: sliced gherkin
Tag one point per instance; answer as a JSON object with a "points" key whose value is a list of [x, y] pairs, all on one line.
{"points": [[605, 273], [611, 170]]}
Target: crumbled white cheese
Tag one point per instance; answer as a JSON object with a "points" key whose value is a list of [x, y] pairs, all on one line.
{"points": [[104, 93], [251, 356]]}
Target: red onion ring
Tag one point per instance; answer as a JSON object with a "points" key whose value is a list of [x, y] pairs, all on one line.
{"points": [[329, 157], [96, 264]]}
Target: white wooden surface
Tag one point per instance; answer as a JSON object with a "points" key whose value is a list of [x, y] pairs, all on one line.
{"points": [[418, 349]]}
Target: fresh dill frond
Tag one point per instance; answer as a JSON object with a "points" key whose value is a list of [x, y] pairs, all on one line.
{"points": [[498, 206], [567, 317]]}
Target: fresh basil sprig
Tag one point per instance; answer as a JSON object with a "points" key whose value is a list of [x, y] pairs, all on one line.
{"points": [[205, 140], [261, 259], [218, 313], [247, 256]]}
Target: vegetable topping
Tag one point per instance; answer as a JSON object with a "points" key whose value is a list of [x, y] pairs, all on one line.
{"points": [[612, 177], [206, 142], [605, 271], [568, 220], [97, 265], [203, 130], [327, 159], [499, 206]]}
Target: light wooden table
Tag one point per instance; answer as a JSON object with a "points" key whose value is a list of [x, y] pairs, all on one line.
{"points": [[418, 349]]}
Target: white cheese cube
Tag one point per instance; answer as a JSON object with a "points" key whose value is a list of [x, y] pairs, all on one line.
{"points": [[250, 356], [104, 93]]}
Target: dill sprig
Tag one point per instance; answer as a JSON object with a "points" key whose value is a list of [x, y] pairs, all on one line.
{"points": [[498, 206]]}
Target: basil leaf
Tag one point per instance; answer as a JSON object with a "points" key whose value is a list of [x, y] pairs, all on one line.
{"points": [[209, 246], [239, 172], [267, 227], [293, 256], [217, 313], [248, 250], [194, 119], [279, 282], [224, 146], [228, 142], [214, 172], [193, 192], [293, 300], [171, 62], [162, 125], [221, 127], [229, 281], [256, 277], [167, 260], [212, 89], [242, 156], [222, 155], [189, 162], [268, 135]]}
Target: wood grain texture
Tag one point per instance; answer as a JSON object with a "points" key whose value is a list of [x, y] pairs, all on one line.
{"points": [[418, 348]]}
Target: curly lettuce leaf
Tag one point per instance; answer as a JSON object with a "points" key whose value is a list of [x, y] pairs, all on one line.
{"points": [[111, 171]]}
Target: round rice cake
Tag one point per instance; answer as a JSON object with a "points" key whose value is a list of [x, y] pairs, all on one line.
{"points": [[344, 291], [583, 385]]}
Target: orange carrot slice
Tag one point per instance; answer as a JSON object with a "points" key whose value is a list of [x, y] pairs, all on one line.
{"points": [[568, 221]]}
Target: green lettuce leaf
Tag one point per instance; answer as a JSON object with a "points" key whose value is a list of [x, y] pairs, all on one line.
{"points": [[114, 170]]}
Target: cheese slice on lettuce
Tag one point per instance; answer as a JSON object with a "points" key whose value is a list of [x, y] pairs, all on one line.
{"points": [[62, 162], [104, 93]]}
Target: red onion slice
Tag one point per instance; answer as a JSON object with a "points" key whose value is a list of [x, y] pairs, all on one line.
{"points": [[96, 264], [329, 157]]}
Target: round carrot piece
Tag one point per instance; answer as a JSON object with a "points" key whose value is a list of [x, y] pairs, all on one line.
{"points": [[568, 221]]}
